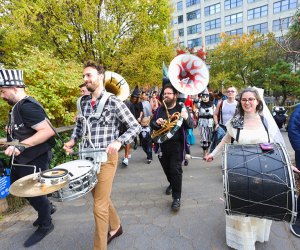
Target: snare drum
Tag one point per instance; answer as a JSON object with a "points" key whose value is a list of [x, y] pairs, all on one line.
{"points": [[259, 183], [82, 179]]}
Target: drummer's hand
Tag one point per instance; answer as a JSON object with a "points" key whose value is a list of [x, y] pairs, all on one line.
{"points": [[295, 169], [68, 146], [12, 150], [113, 147], [208, 157]]}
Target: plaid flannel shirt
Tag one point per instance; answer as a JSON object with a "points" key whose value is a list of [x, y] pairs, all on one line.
{"points": [[105, 129]]}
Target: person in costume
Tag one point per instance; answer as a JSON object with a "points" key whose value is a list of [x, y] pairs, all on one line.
{"points": [[205, 121], [251, 124], [28, 123], [138, 110]]}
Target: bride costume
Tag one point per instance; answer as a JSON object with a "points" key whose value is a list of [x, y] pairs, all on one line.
{"points": [[242, 232]]}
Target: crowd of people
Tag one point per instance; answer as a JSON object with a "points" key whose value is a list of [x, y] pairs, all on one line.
{"points": [[221, 119]]}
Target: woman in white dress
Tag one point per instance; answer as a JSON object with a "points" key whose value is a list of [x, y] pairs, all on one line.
{"points": [[242, 232]]}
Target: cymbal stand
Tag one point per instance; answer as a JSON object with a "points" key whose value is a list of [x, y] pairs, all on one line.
{"points": [[23, 165]]}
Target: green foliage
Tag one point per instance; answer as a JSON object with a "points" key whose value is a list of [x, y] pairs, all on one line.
{"points": [[112, 32], [283, 79], [241, 60], [54, 83], [58, 154]]}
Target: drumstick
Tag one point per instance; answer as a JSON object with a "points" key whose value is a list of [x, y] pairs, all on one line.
{"points": [[188, 157], [89, 151]]}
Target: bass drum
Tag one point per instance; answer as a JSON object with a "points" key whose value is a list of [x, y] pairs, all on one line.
{"points": [[259, 183]]}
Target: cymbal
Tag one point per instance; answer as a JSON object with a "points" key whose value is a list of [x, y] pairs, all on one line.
{"points": [[29, 186], [14, 143]]}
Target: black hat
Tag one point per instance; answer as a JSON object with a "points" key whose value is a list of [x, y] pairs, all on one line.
{"points": [[11, 78], [135, 92]]}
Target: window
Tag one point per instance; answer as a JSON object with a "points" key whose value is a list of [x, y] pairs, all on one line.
{"points": [[179, 5], [181, 32], [194, 29], [212, 39], [235, 32], [194, 43], [212, 9], [234, 18], [230, 4], [284, 5], [258, 12], [191, 2], [282, 24], [213, 24], [180, 19], [261, 28], [193, 15]]}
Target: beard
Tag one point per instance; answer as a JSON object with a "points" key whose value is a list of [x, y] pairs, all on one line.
{"points": [[10, 102], [169, 102]]}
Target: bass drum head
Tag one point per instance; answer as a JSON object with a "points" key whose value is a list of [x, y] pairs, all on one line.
{"points": [[188, 74], [258, 183]]}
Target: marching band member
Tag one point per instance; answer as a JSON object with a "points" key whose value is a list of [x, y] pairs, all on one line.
{"points": [[28, 124], [172, 150], [251, 124], [104, 134]]}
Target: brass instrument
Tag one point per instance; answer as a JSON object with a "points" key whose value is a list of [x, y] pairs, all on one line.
{"points": [[168, 125], [189, 75], [116, 84]]}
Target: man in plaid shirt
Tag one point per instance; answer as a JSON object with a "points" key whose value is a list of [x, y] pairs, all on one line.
{"points": [[104, 134]]}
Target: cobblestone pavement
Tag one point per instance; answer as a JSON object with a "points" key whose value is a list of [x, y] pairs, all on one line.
{"points": [[147, 221]]}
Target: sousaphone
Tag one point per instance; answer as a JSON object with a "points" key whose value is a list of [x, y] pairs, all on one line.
{"points": [[189, 75], [116, 84]]}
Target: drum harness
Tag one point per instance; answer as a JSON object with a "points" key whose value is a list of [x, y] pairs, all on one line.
{"points": [[97, 155]]}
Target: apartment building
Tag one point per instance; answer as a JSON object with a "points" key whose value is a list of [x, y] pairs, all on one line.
{"points": [[199, 23]]}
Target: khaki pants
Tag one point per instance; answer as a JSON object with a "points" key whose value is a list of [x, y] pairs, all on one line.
{"points": [[104, 212]]}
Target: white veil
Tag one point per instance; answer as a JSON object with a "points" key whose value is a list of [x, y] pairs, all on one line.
{"points": [[273, 129]]}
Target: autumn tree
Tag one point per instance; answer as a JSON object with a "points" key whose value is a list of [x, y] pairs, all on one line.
{"points": [[242, 60], [122, 35]]}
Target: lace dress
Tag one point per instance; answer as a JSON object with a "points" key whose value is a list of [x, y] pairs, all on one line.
{"points": [[242, 232]]}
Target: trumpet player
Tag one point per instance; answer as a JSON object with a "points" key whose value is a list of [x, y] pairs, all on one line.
{"points": [[172, 150]]}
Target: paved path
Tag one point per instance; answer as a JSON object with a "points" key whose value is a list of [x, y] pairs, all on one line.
{"points": [[147, 221]]}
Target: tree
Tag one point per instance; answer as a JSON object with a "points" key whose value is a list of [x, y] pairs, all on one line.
{"points": [[109, 31], [284, 80], [54, 83], [242, 60]]}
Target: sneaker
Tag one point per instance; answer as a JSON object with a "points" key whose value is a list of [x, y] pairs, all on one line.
{"points": [[149, 161], [169, 190], [175, 205], [295, 229], [38, 235], [125, 162]]}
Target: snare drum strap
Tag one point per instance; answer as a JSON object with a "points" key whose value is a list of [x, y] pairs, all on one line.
{"points": [[238, 130]]}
